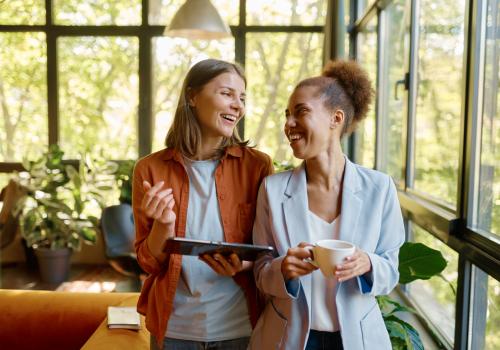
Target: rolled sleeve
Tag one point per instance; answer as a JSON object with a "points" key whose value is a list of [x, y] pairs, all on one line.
{"points": [[143, 226]]}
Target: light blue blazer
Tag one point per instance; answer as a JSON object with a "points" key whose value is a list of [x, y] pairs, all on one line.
{"points": [[370, 218]]}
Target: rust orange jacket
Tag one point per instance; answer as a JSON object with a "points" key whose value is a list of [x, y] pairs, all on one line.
{"points": [[237, 180]]}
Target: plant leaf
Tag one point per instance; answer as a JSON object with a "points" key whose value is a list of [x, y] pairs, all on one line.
{"points": [[417, 261], [400, 330], [88, 235]]}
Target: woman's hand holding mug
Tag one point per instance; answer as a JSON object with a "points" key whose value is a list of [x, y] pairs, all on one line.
{"points": [[353, 266], [294, 264]]}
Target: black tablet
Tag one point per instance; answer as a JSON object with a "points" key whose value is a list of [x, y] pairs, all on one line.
{"points": [[186, 246]]}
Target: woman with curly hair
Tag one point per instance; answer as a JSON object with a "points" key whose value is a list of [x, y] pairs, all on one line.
{"points": [[327, 197]]}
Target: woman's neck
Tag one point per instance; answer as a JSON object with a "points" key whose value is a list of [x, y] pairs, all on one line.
{"points": [[208, 148], [327, 169]]}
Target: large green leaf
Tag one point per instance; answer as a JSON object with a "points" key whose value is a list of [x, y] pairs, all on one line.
{"points": [[417, 261], [402, 334]]}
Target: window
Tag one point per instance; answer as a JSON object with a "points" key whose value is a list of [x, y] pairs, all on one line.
{"points": [[98, 92], [4, 180], [23, 95], [22, 12], [286, 12], [492, 337], [365, 133], [488, 208], [447, 53], [280, 60], [392, 93], [485, 320], [436, 296], [91, 12], [98, 106], [172, 59], [363, 5], [439, 96]]}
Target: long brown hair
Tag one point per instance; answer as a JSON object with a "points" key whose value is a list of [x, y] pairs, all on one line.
{"points": [[185, 132]]}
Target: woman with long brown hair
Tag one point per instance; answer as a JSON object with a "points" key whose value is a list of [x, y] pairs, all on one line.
{"points": [[203, 185]]}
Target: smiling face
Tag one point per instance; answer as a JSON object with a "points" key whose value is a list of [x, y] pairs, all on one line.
{"points": [[219, 105], [309, 124]]}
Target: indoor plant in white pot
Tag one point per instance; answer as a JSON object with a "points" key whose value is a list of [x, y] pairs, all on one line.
{"points": [[60, 210]]}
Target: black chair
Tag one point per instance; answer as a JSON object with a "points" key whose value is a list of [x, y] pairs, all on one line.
{"points": [[117, 225]]}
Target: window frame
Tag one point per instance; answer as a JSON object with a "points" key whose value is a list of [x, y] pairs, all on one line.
{"points": [[145, 33], [450, 225]]}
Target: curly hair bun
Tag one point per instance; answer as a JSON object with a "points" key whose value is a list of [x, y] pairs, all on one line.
{"points": [[355, 82]]}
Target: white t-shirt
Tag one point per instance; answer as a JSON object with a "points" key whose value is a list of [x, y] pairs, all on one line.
{"points": [[207, 306], [323, 308]]}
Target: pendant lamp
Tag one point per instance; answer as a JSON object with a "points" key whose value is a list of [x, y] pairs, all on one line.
{"points": [[198, 19]]}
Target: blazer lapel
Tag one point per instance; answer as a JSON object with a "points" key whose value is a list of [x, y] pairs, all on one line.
{"points": [[351, 204], [295, 207]]}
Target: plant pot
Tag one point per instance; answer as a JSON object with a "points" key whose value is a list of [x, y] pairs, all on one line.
{"points": [[53, 264], [29, 254]]}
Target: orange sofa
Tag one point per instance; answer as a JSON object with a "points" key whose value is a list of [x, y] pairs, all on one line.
{"points": [[64, 320]]}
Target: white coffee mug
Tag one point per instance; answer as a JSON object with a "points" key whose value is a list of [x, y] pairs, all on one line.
{"points": [[329, 253]]}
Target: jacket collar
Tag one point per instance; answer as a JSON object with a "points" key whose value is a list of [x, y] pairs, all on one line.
{"points": [[172, 153], [296, 205], [298, 181]]}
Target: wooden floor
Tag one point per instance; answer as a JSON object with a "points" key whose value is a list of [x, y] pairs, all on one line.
{"points": [[82, 278]]}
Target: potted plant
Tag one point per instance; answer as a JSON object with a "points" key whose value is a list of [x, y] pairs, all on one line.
{"points": [[416, 261], [123, 177], [60, 210]]}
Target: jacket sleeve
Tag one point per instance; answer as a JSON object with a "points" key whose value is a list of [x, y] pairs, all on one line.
{"points": [[267, 268], [384, 275], [143, 225], [269, 169]]}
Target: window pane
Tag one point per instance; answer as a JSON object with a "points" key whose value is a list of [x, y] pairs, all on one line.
{"points": [[23, 96], [22, 12], [347, 22], [485, 314], [437, 138], [436, 296], [493, 315], [172, 59], [275, 64], [365, 133], [4, 180], [393, 94], [286, 12], [363, 6], [91, 12], [98, 96], [162, 11], [488, 215]]}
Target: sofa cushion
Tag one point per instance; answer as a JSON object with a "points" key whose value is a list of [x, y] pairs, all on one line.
{"points": [[52, 320]]}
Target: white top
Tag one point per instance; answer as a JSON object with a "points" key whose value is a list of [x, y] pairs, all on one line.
{"points": [[207, 307], [323, 290]]}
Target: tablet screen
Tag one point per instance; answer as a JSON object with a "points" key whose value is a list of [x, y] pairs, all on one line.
{"points": [[186, 246]]}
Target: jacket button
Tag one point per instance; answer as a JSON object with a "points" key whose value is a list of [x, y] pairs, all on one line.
{"points": [[222, 197], [225, 221]]}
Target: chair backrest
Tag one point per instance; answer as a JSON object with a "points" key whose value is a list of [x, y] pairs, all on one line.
{"points": [[117, 224], [9, 219]]}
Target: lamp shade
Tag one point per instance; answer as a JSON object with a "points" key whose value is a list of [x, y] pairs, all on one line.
{"points": [[198, 19]]}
